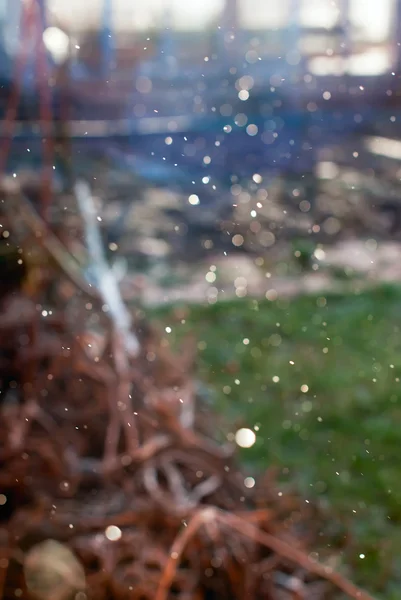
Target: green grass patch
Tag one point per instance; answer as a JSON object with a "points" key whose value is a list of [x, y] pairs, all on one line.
{"points": [[319, 378]]}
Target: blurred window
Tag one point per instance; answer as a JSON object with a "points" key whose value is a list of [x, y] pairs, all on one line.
{"points": [[195, 14], [362, 48], [259, 14], [140, 14], [180, 14], [316, 44], [371, 20], [374, 61], [319, 14]]}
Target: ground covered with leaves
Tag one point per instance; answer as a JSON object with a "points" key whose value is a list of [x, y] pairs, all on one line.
{"points": [[318, 380]]}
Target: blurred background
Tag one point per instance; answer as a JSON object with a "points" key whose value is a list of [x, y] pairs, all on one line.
{"points": [[267, 121], [247, 158]]}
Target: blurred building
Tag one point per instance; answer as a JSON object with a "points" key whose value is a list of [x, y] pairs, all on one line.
{"points": [[196, 43], [325, 30]]}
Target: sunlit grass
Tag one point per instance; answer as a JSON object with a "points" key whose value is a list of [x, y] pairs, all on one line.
{"points": [[319, 379]]}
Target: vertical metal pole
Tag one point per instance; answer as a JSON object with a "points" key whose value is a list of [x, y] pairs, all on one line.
{"points": [[294, 25], [20, 60], [346, 41], [167, 46], [45, 110], [3, 23], [397, 33], [230, 30], [292, 47], [107, 39], [42, 13], [230, 17], [13, 13]]}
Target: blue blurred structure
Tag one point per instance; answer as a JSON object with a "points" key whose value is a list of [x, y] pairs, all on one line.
{"points": [[261, 108], [174, 80]]}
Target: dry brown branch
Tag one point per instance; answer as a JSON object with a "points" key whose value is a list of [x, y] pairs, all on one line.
{"points": [[109, 455]]}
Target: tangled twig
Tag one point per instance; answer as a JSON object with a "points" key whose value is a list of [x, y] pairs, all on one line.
{"points": [[106, 451], [210, 517], [108, 454]]}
